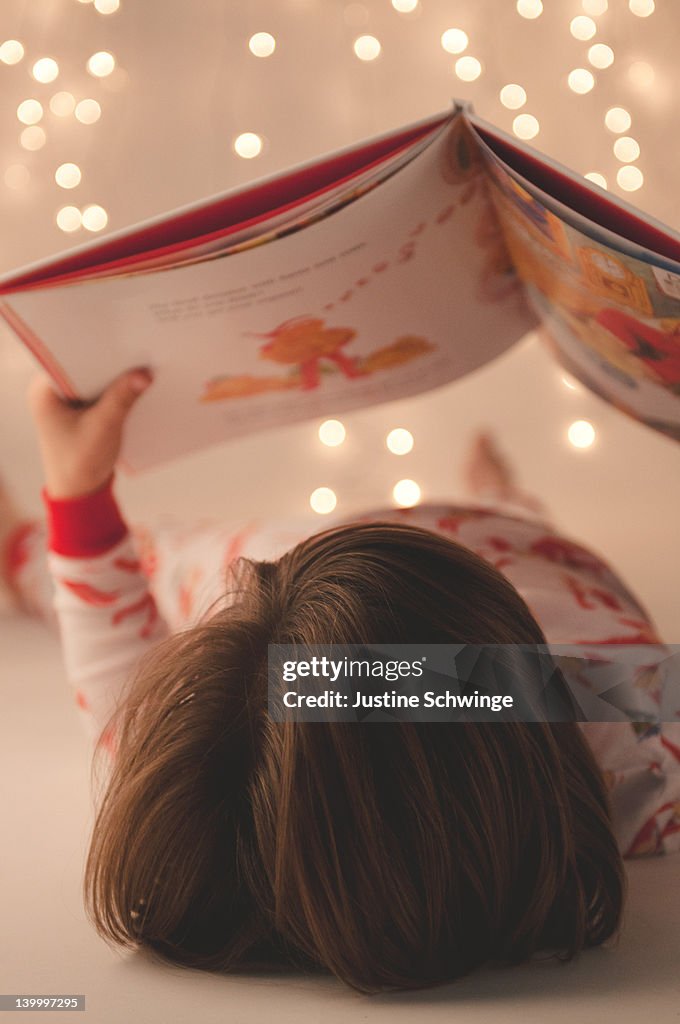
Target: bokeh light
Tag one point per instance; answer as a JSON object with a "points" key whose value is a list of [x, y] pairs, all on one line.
{"points": [[454, 40], [601, 56], [626, 149], [323, 500], [332, 433], [581, 434], [62, 104], [468, 68], [406, 493], [641, 74], [101, 64], [581, 80], [30, 112], [68, 218], [367, 47], [11, 51], [248, 145], [513, 96], [399, 441], [617, 119], [95, 218], [88, 111], [582, 27], [45, 70], [630, 178], [643, 8], [262, 44], [33, 138], [68, 175], [525, 126], [596, 178], [529, 8]]}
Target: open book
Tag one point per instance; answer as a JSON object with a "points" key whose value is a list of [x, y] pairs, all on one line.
{"points": [[380, 271]]}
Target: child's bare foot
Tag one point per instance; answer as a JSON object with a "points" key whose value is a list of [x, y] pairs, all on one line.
{"points": [[488, 474], [486, 471]]}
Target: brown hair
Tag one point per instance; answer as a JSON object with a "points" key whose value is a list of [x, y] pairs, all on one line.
{"points": [[395, 855]]}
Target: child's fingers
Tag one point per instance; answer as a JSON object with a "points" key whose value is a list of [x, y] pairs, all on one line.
{"points": [[119, 397], [37, 389], [45, 404]]}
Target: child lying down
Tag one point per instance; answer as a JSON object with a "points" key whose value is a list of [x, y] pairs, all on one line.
{"points": [[394, 855]]}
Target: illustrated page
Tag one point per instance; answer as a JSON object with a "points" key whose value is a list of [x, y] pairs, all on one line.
{"points": [[611, 318], [403, 289]]}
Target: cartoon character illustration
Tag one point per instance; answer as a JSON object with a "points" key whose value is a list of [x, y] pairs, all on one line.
{"points": [[309, 345], [519, 209], [611, 278], [608, 351], [629, 349], [610, 395], [526, 204], [401, 351], [304, 342], [638, 350], [244, 385], [559, 282], [658, 351]]}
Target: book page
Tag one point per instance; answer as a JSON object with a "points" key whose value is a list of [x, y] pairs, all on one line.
{"points": [[228, 240], [611, 312], [580, 202], [260, 199], [403, 289]]}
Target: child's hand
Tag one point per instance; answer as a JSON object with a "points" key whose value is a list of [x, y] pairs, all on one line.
{"points": [[80, 446]]}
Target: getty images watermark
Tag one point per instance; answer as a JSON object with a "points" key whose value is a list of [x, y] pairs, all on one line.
{"points": [[475, 683]]}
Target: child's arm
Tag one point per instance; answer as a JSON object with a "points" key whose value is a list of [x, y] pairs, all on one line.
{"points": [[107, 615]]}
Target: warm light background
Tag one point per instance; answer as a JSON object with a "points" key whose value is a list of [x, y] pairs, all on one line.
{"points": [[184, 87], [186, 84]]}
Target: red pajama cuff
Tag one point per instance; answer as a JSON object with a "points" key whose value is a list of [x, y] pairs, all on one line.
{"points": [[85, 526]]}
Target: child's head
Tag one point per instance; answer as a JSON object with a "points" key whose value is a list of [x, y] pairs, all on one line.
{"points": [[394, 855]]}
